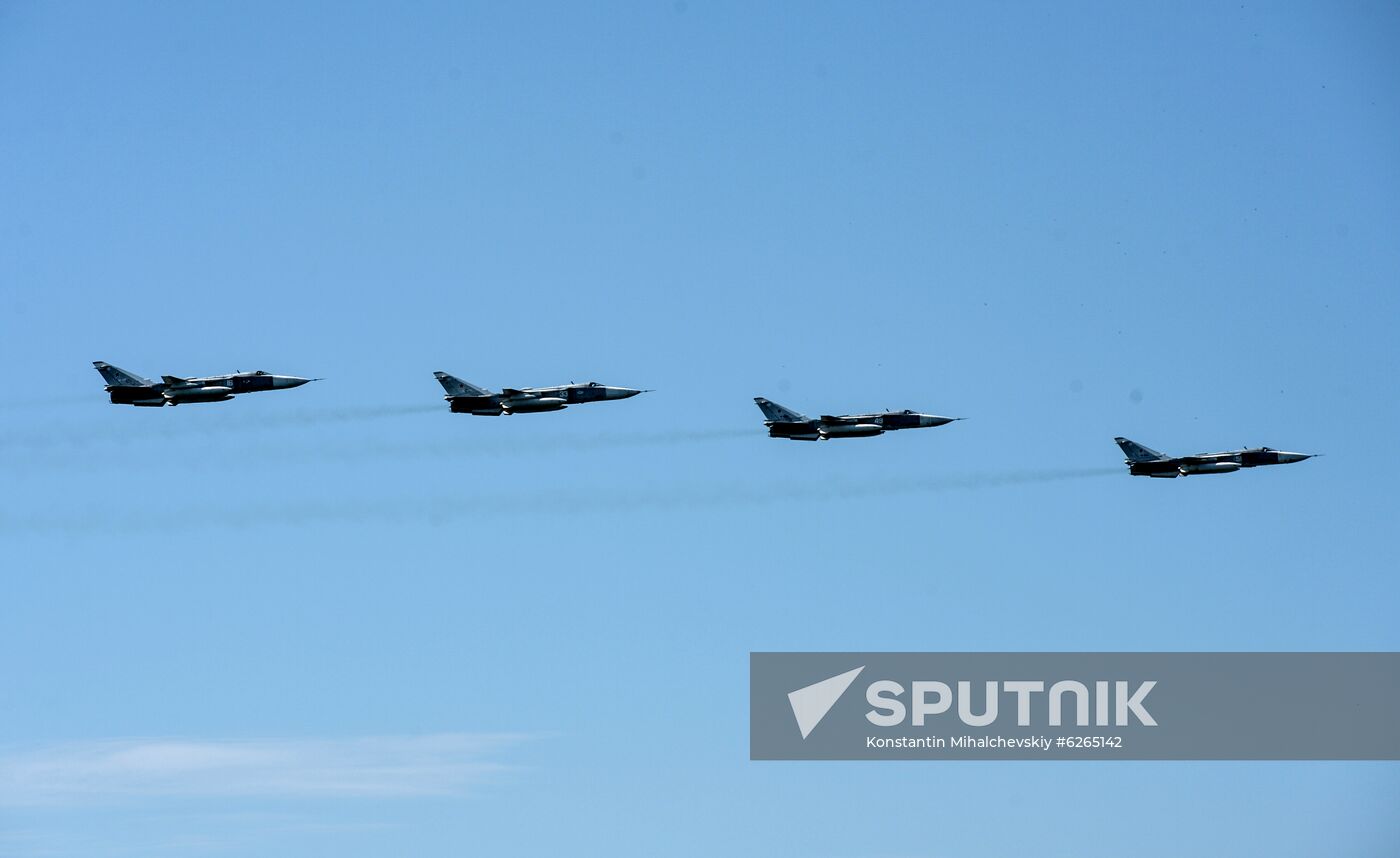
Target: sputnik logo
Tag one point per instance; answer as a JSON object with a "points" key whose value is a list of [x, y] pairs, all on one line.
{"points": [[810, 704]]}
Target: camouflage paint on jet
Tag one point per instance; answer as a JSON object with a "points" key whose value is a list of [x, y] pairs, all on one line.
{"points": [[786, 423], [129, 389], [463, 397], [1146, 462]]}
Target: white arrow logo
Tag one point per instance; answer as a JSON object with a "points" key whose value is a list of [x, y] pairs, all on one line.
{"points": [[810, 704]]}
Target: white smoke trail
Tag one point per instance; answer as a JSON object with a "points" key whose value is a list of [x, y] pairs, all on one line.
{"points": [[160, 424], [554, 503]]}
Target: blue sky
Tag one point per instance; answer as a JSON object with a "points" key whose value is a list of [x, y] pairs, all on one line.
{"points": [[339, 619]]}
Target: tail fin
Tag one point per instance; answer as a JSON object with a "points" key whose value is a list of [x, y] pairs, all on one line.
{"points": [[115, 376], [456, 387], [777, 413], [1138, 453]]}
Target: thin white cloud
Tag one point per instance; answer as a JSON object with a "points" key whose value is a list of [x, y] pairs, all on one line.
{"points": [[371, 766]]}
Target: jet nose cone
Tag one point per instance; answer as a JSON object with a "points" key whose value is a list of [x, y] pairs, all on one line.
{"points": [[1290, 458], [284, 381], [935, 420], [624, 392]]}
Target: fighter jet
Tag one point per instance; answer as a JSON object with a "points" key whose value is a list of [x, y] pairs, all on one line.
{"points": [[1146, 462], [786, 423], [467, 398], [129, 389]]}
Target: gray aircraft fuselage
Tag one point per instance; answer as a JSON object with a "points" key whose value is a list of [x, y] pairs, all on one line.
{"points": [[128, 389], [1146, 462], [466, 398], [784, 423]]}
